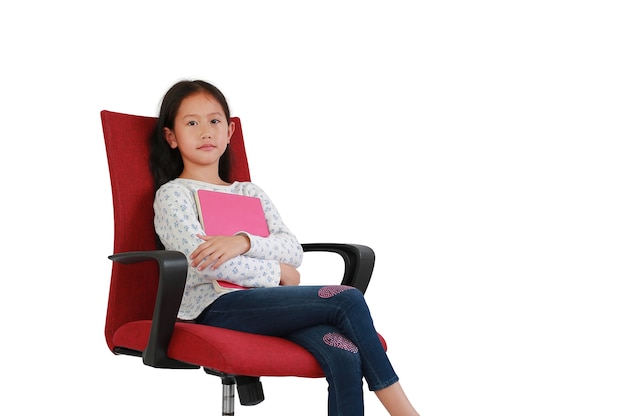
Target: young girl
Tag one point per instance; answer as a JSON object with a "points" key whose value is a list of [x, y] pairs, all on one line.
{"points": [[332, 322]]}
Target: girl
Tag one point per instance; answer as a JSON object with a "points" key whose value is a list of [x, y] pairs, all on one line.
{"points": [[332, 322]]}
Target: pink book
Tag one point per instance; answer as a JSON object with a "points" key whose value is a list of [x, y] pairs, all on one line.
{"points": [[223, 213]]}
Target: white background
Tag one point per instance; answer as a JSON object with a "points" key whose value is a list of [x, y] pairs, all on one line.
{"points": [[478, 147]]}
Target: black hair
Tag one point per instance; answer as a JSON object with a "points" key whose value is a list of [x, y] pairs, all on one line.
{"points": [[167, 163]]}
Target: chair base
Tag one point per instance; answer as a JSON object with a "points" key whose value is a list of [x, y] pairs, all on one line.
{"points": [[249, 389], [228, 396]]}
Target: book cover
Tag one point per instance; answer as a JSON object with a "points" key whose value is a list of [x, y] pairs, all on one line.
{"points": [[222, 213]]}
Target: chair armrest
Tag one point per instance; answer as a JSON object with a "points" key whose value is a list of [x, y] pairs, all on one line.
{"points": [[358, 260], [173, 267]]}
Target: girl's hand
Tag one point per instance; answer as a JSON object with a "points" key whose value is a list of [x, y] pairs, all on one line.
{"points": [[218, 249], [289, 275]]}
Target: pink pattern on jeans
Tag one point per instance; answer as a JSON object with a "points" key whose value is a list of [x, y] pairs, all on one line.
{"points": [[330, 291], [337, 340]]}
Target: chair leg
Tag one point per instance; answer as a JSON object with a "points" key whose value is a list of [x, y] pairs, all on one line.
{"points": [[228, 396]]}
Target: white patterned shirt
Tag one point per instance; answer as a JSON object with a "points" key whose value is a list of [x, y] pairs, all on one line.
{"points": [[177, 224]]}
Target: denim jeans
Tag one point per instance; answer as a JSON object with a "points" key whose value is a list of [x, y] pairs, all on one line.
{"points": [[332, 322]]}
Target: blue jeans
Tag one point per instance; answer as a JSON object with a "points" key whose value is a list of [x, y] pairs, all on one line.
{"points": [[332, 322]]}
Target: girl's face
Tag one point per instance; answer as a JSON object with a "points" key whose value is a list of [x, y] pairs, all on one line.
{"points": [[201, 132]]}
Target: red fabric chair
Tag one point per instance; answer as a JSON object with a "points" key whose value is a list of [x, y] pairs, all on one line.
{"points": [[147, 283]]}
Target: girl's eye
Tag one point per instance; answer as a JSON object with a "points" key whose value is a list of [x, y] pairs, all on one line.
{"points": [[192, 123], [215, 121]]}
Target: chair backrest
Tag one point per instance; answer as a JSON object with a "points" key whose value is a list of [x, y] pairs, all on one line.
{"points": [[133, 286]]}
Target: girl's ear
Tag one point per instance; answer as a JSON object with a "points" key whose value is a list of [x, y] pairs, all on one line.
{"points": [[170, 137], [231, 130]]}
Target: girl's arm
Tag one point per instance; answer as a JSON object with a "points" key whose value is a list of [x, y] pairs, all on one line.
{"points": [[177, 225]]}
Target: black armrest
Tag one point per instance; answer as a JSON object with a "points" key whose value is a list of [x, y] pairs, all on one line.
{"points": [[173, 267], [358, 260]]}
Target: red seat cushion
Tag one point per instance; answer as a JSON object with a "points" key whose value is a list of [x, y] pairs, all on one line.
{"points": [[211, 347]]}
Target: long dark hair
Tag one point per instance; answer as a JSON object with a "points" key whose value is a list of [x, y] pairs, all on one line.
{"points": [[167, 163]]}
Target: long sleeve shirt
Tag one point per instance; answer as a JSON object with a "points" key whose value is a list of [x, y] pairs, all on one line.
{"points": [[177, 224]]}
